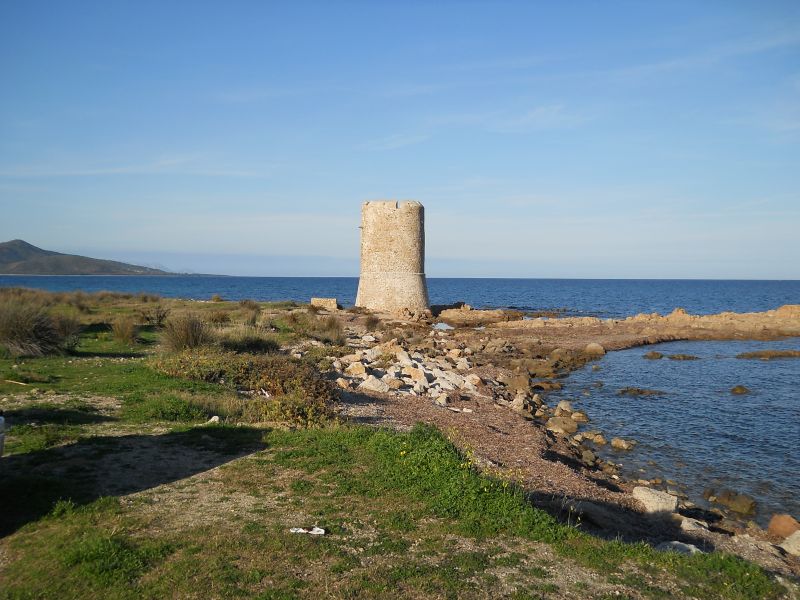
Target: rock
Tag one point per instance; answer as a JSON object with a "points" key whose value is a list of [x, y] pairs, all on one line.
{"points": [[620, 444], [473, 379], [565, 406], [393, 383], [326, 303], [600, 440], [442, 400], [416, 374], [519, 403], [594, 349], [404, 359], [374, 384], [683, 357], [517, 383], [783, 525], [343, 383], [655, 501], [693, 525], [463, 365], [634, 391], [356, 369], [679, 547], [368, 338], [738, 503], [562, 425], [212, 420], [653, 355], [792, 544], [588, 457], [739, 390], [373, 354], [579, 417]]}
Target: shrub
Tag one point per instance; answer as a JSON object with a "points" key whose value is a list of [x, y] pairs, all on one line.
{"points": [[294, 391], [186, 331], [69, 328], [154, 316], [327, 329], [125, 330], [372, 322], [250, 305], [251, 318], [219, 317], [27, 329], [249, 340], [217, 298]]}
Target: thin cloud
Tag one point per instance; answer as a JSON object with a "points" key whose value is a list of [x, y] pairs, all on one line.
{"points": [[550, 116], [393, 142], [164, 166]]}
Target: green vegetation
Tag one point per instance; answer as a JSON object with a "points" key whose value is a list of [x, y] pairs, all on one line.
{"points": [[28, 329], [185, 332]]}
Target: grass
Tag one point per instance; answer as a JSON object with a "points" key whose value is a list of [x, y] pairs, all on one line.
{"points": [[407, 514]]}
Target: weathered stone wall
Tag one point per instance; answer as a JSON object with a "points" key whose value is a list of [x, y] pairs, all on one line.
{"points": [[392, 257]]}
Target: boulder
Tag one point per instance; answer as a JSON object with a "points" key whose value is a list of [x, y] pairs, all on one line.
{"points": [[565, 406], [679, 547], [373, 384], [356, 369], [620, 444], [404, 359], [655, 501], [393, 382], [653, 355], [343, 383], [562, 425], [783, 525], [519, 403], [416, 374], [690, 525], [473, 379], [368, 338], [738, 390], [325, 303], [579, 417], [791, 545], [594, 349], [738, 503]]}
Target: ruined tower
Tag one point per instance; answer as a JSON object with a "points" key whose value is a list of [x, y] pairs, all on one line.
{"points": [[392, 257]]}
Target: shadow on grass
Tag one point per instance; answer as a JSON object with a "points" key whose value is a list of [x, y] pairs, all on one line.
{"points": [[31, 483], [55, 415]]}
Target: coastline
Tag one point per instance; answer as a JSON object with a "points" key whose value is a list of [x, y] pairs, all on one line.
{"points": [[508, 426]]}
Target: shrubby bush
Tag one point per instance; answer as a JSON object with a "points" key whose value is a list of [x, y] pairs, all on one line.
{"points": [[185, 332], [125, 330], [28, 329], [295, 392]]}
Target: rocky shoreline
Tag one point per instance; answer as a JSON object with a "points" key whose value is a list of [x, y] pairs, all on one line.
{"points": [[485, 383]]}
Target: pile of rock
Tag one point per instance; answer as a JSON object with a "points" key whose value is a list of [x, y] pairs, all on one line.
{"points": [[390, 367]]}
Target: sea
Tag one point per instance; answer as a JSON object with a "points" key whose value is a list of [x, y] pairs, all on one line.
{"points": [[696, 434]]}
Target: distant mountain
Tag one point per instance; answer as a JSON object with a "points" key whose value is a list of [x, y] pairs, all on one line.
{"points": [[21, 258]]}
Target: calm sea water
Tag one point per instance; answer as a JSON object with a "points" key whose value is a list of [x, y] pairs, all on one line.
{"points": [[599, 297], [697, 433]]}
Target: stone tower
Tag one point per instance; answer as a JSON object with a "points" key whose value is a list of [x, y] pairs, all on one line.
{"points": [[392, 257]]}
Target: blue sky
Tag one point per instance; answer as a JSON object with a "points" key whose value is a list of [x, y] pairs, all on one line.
{"points": [[571, 139]]}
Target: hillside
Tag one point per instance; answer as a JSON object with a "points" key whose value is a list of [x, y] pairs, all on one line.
{"points": [[18, 257]]}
